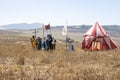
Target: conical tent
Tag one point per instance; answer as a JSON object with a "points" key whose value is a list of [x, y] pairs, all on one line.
{"points": [[97, 39]]}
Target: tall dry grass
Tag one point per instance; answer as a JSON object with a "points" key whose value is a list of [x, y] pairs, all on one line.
{"points": [[18, 61]]}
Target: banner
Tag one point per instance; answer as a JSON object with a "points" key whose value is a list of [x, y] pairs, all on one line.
{"points": [[47, 27], [64, 32]]}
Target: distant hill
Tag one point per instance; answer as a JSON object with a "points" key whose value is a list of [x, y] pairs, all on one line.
{"points": [[21, 26], [113, 30]]}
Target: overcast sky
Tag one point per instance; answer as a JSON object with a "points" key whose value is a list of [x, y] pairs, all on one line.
{"points": [[57, 12]]}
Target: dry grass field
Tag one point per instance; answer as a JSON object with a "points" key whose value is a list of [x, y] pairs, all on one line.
{"points": [[18, 61]]}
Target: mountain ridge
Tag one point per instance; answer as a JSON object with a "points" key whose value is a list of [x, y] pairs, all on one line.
{"points": [[113, 30], [21, 26], [39, 25]]}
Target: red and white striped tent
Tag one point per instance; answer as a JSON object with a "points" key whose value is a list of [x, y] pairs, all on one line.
{"points": [[97, 39]]}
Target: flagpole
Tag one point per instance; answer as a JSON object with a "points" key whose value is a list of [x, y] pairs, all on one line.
{"points": [[66, 41], [43, 30], [64, 32], [66, 35], [35, 33], [50, 28]]}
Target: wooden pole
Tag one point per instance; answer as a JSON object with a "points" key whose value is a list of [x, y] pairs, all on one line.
{"points": [[66, 41], [43, 30], [50, 27], [66, 35], [50, 30], [35, 33]]}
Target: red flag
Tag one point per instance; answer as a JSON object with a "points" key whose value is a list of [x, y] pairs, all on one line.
{"points": [[47, 26]]}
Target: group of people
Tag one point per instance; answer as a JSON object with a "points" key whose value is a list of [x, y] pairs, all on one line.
{"points": [[46, 43], [49, 43]]}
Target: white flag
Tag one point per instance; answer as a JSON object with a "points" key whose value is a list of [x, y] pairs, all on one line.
{"points": [[64, 32]]}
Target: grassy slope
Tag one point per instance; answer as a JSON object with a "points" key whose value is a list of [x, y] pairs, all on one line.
{"points": [[19, 61]]}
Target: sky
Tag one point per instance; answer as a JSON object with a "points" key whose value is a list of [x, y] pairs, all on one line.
{"points": [[57, 12]]}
